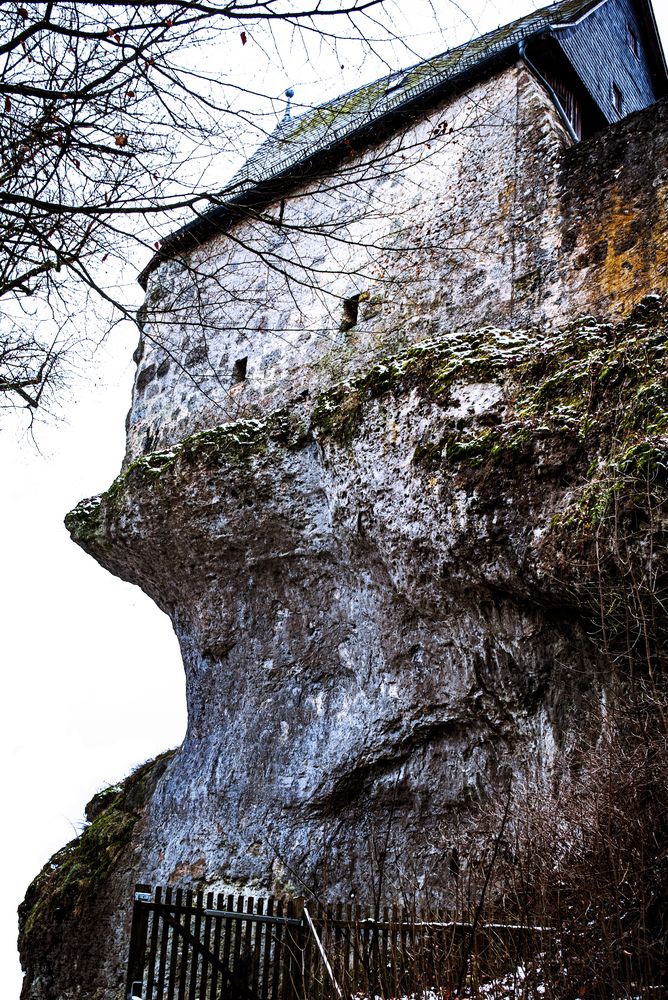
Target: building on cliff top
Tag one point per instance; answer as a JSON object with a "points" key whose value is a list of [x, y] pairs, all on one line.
{"points": [[375, 435], [599, 60], [433, 199]]}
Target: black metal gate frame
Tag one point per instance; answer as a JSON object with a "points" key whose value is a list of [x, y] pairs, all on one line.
{"points": [[144, 904]]}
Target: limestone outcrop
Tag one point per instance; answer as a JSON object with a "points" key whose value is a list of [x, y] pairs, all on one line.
{"points": [[386, 603]]}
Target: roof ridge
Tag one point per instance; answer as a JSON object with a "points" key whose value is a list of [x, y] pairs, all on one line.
{"points": [[343, 115]]}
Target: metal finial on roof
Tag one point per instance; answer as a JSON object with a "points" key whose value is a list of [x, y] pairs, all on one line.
{"points": [[287, 115]]}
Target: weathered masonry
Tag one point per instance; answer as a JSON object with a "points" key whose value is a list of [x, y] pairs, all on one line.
{"points": [[431, 199]]}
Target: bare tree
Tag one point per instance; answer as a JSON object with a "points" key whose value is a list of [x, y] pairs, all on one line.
{"points": [[113, 124]]}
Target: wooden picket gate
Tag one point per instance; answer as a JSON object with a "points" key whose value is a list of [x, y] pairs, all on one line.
{"points": [[188, 945]]}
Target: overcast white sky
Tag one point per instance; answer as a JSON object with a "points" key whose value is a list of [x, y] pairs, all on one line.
{"points": [[92, 682]]}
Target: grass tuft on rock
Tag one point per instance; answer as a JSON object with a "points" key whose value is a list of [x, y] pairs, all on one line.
{"points": [[73, 875]]}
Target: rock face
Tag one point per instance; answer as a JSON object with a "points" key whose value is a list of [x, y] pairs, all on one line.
{"points": [[383, 572]]}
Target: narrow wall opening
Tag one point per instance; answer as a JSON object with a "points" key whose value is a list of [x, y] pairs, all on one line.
{"points": [[239, 371], [350, 311]]}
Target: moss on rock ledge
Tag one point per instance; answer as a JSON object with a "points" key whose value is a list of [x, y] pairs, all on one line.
{"points": [[602, 387], [581, 417], [235, 443], [72, 876], [578, 416]]}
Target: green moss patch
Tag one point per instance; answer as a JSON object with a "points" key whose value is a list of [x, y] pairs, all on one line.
{"points": [[235, 443], [78, 871], [602, 388], [433, 367]]}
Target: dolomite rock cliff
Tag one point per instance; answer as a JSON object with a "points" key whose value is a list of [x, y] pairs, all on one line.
{"points": [[384, 606], [385, 579]]}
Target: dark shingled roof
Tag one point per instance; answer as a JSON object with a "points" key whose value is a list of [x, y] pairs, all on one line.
{"points": [[329, 124]]}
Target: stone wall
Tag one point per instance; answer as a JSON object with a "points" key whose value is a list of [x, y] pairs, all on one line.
{"points": [[441, 227], [477, 215], [613, 213]]}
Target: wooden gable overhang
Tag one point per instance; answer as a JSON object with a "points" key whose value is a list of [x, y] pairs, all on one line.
{"points": [[612, 54]]}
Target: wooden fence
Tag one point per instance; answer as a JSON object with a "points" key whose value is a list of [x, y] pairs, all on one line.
{"points": [[196, 946]]}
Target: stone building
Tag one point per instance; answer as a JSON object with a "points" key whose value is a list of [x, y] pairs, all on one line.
{"points": [[423, 202], [359, 473]]}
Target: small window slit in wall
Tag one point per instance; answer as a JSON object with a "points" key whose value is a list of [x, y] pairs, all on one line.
{"points": [[350, 311], [239, 371], [617, 99], [633, 41]]}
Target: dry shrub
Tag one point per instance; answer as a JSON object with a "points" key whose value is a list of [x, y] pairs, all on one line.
{"points": [[592, 861]]}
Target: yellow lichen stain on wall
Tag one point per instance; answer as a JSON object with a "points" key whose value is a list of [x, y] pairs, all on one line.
{"points": [[622, 267], [507, 196], [660, 237], [611, 234], [623, 251]]}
